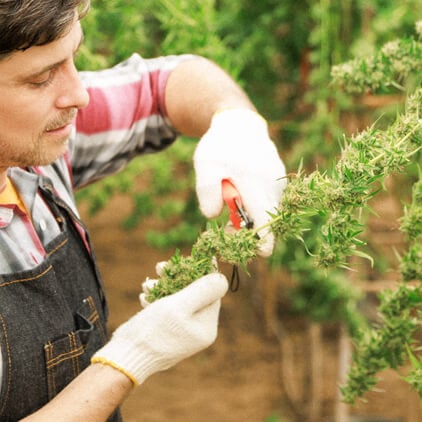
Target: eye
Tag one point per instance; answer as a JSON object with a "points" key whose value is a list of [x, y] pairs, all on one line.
{"points": [[45, 80]]}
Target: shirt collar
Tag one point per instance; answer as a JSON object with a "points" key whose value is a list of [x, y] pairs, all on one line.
{"points": [[26, 184]]}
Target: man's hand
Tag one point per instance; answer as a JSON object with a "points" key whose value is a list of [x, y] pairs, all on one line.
{"points": [[150, 283], [167, 331], [237, 146]]}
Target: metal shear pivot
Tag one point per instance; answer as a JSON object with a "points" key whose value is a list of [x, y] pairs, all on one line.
{"points": [[238, 216]]}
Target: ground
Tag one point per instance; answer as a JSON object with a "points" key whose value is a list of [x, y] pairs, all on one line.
{"points": [[248, 374]]}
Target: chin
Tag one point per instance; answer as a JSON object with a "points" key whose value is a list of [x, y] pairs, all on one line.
{"points": [[52, 154]]}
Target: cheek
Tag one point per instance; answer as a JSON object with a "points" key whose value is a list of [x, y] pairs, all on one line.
{"points": [[23, 114]]}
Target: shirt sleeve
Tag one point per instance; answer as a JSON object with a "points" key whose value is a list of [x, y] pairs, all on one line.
{"points": [[126, 117]]}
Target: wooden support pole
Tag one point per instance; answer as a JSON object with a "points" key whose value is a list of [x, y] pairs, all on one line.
{"points": [[344, 354], [316, 375]]}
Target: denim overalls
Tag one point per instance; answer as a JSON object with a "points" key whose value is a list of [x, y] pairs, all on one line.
{"points": [[52, 320]]}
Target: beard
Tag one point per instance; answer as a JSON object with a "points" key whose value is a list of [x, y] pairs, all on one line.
{"points": [[61, 120], [41, 148]]}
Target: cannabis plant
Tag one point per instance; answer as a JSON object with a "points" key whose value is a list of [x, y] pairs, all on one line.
{"points": [[336, 200]]}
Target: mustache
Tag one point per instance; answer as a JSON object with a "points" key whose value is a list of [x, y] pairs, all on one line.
{"points": [[62, 120]]}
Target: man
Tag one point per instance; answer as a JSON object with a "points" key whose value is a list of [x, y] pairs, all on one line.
{"points": [[60, 130]]}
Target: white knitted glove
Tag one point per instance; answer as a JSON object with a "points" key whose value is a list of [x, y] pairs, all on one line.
{"points": [[167, 331], [237, 146], [149, 283]]}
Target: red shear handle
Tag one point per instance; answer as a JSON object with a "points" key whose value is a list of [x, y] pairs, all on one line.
{"points": [[238, 215], [230, 196]]}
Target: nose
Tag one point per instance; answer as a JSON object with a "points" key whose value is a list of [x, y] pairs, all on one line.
{"points": [[72, 93]]}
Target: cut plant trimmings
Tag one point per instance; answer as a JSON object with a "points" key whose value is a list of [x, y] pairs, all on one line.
{"points": [[336, 199]]}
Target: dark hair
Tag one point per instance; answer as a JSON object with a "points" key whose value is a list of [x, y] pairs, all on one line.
{"points": [[26, 23]]}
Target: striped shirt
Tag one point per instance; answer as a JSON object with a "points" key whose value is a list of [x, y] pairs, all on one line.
{"points": [[126, 117]]}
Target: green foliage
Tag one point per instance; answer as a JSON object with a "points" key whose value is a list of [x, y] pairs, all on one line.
{"points": [[283, 54], [388, 68], [274, 418], [192, 26], [326, 296], [390, 343], [414, 378], [366, 158], [335, 202], [114, 30], [234, 248], [385, 346], [411, 225]]}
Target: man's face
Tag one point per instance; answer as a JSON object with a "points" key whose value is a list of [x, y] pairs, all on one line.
{"points": [[40, 93]]}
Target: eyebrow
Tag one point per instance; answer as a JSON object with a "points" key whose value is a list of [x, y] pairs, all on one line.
{"points": [[51, 66]]}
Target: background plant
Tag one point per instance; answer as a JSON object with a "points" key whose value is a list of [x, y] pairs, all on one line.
{"points": [[283, 54], [366, 159]]}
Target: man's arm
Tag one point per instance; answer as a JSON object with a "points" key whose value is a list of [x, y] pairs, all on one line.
{"points": [[93, 396], [155, 339], [195, 90], [203, 101]]}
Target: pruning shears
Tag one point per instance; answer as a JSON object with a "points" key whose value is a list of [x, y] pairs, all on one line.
{"points": [[238, 215], [239, 219]]}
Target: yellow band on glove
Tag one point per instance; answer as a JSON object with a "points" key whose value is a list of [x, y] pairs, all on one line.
{"points": [[104, 361]]}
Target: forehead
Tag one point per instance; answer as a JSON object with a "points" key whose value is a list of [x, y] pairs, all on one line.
{"points": [[23, 63]]}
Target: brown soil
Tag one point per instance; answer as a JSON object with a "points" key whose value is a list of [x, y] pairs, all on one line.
{"points": [[254, 372]]}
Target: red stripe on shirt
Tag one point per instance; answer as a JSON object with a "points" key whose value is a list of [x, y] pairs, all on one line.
{"points": [[119, 107]]}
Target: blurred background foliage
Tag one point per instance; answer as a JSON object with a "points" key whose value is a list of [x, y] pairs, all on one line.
{"points": [[282, 53]]}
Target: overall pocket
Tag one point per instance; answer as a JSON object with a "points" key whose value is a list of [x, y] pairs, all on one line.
{"points": [[67, 356]]}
